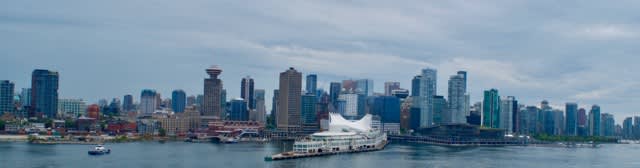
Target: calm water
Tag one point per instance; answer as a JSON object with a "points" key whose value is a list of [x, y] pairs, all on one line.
{"points": [[179, 154]]}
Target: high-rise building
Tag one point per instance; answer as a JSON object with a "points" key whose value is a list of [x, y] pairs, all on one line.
{"points": [[507, 110], [6, 97], [388, 108], [25, 97], [247, 92], [491, 109], [71, 107], [114, 107], [261, 109], [571, 122], [457, 99], [127, 103], [364, 87], [441, 114], [289, 100], [212, 103], [427, 90], [178, 101], [390, 86], [528, 120], [627, 128], [148, 102], [191, 100], [309, 113], [44, 93], [237, 109], [351, 105], [349, 85], [582, 120], [274, 106], [334, 91], [594, 121], [608, 125], [312, 83]]}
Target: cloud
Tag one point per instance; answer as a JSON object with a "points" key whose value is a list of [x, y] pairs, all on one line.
{"points": [[606, 31]]}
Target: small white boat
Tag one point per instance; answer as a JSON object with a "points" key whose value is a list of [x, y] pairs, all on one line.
{"points": [[99, 150]]}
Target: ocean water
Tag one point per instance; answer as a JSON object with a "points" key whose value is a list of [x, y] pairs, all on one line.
{"points": [[251, 155]]}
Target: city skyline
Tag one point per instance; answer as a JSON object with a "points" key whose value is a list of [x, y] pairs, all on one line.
{"points": [[569, 65]]}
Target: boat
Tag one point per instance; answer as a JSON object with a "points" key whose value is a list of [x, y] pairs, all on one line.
{"points": [[343, 136], [99, 150], [230, 140]]}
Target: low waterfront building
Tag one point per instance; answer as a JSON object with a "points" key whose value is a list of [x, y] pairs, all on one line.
{"points": [[462, 130]]}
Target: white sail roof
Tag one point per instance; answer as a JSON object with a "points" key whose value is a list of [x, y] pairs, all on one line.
{"points": [[338, 124]]}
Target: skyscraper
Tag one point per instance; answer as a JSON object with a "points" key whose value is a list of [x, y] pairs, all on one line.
{"points": [[608, 125], [191, 100], [388, 108], [349, 85], [427, 90], [247, 92], [288, 114], [148, 102], [390, 86], [178, 101], [594, 121], [44, 93], [212, 103], [441, 114], [627, 128], [25, 97], [364, 87], [237, 109], [127, 103], [457, 99], [351, 105], [334, 91], [274, 106], [507, 109], [571, 122], [312, 83], [6, 96], [582, 120], [491, 109], [261, 109], [308, 109]]}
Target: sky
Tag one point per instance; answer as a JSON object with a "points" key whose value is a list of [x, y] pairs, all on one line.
{"points": [[560, 51]]}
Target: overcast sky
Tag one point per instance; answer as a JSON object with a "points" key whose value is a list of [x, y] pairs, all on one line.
{"points": [[562, 51]]}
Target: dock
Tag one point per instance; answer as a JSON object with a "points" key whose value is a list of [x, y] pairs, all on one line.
{"points": [[460, 142], [292, 155]]}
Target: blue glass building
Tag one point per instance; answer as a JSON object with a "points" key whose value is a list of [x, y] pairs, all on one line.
{"points": [[308, 111], [312, 83], [44, 93], [491, 109], [388, 108], [178, 101], [571, 122], [237, 110]]}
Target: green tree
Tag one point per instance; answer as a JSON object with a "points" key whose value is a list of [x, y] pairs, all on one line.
{"points": [[2, 123], [162, 132]]}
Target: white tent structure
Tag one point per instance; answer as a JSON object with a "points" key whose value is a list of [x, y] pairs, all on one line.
{"points": [[338, 124]]}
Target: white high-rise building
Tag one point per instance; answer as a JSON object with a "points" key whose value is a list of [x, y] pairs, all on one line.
{"points": [[351, 105], [457, 99], [148, 101], [507, 109], [428, 81], [261, 109], [71, 107]]}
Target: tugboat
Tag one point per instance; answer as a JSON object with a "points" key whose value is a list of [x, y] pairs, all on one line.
{"points": [[99, 150]]}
